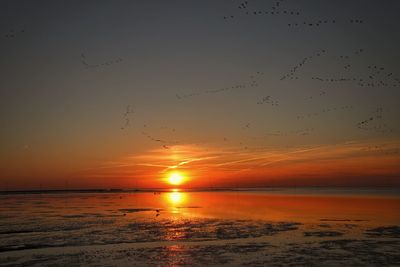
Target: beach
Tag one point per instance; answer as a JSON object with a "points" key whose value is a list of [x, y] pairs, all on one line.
{"points": [[219, 228]]}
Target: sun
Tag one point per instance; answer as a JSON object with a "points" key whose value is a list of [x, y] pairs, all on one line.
{"points": [[175, 178]]}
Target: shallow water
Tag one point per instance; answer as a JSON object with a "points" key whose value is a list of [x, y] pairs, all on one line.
{"points": [[273, 227]]}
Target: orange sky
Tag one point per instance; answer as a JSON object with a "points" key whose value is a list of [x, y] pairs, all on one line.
{"points": [[350, 163], [160, 87]]}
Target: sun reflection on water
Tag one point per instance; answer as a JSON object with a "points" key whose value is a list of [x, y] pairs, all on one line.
{"points": [[175, 198]]}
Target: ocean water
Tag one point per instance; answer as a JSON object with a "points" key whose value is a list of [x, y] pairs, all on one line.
{"points": [[304, 226]]}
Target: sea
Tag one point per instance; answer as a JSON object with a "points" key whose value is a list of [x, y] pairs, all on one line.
{"points": [[302, 226]]}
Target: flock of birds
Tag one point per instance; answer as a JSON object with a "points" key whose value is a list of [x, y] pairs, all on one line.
{"points": [[322, 22], [127, 117], [372, 75], [293, 73], [378, 77], [165, 143], [238, 86], [325, 110], [13, 33], [370, 81], [375, 76], [252, 82], [375, 123], [268, 100], [103, 64], [253, 8], [275, 10], [305, 131]]}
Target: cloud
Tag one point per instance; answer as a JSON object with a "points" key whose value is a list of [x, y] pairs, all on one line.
{"points": [[229, 163]]}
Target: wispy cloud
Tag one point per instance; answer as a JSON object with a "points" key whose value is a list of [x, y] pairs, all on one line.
{"points": [[227, 161]]}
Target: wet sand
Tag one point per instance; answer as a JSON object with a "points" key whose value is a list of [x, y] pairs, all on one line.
{"points": [[198, 229]]}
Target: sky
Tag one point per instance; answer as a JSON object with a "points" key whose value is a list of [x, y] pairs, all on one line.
{"points": [[121, 94]]}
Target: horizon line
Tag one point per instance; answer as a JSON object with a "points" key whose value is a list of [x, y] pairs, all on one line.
{"points": [[202, 189]]}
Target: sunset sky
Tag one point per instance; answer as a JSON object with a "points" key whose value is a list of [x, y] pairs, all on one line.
{"points": [[124, 94]]}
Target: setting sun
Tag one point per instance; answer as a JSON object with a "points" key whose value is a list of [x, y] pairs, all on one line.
{"points": [[175, 178]]}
